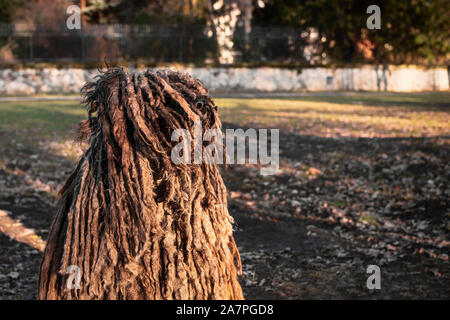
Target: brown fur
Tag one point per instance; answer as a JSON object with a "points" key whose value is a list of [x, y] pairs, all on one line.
{"points": [[137, 225]]}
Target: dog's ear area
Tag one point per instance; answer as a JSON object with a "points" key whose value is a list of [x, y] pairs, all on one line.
{"points": [[98, 96], [83, 132]]}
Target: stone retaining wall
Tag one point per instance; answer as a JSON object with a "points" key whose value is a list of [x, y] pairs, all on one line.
{"points": [[366, 78]]}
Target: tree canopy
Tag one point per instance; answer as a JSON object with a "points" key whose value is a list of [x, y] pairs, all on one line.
{"points": [[413, 31]]}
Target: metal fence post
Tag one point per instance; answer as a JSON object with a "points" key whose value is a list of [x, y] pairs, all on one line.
{"points": [[31, 46], [180, 51], [83, 47]]}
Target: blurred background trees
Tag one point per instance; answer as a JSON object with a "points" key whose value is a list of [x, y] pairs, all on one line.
{"points": [[289, 32], [411, 31]]}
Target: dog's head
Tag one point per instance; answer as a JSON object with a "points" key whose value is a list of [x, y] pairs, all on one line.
{"points": [[139, 111]]}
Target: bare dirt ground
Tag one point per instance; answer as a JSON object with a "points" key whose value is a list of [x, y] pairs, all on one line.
{"points": [[339, 204]]}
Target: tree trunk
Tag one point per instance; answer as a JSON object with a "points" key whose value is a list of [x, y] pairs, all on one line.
{"points": [[130, 223], [224, 17]]}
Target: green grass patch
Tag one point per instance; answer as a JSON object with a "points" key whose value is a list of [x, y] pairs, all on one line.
{"points": [[42, 118], [369, 219], [356, 115], [339, 204]]}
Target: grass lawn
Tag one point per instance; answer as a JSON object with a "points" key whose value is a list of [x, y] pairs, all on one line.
{"points": [[359, 115], [42, 119]]}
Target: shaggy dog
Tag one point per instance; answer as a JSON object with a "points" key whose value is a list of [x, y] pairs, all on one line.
{"points": [[130, 223]]}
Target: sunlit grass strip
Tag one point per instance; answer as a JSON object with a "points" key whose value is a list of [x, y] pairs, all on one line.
{"points": [[18, 232]]}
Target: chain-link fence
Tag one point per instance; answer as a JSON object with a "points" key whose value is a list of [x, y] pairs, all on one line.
{"points": [[144, 43]]}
